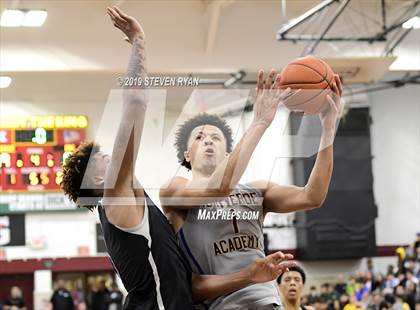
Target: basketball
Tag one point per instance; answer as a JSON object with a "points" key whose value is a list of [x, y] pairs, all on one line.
{"points": [[314, 77]]}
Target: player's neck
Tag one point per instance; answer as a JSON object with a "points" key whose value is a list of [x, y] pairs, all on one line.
{"points": [[291, 305], [200, 174]]}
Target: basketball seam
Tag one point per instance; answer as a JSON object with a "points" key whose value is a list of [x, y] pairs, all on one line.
{"points": [[300, 103], [323, 77], [326, 70], [306, 83]]}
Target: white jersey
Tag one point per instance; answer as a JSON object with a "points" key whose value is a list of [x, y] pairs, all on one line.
{"points": [[225, 237]]}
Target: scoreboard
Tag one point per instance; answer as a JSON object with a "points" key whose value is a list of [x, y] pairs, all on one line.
{"points": [[32, 150]]}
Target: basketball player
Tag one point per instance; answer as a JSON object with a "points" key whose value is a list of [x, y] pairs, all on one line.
{"points": [[291, 285], [141, 243], [208, 211]]}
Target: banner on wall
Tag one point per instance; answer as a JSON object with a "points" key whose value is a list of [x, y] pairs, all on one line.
{"points": [[12, 230]]}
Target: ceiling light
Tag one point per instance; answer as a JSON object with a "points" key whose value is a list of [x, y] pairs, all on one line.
{"points": [[413, 22], [26, 18], [5, 81], [34, 18], [12, 18]]}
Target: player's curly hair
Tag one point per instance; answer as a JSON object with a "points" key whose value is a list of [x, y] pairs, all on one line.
{"points": [[184, 131], [74, 169]]}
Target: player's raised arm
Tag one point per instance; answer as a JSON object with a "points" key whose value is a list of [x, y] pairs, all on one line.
{"points": [[217, 184], [279, 198], [262, 270], [122, 207]]}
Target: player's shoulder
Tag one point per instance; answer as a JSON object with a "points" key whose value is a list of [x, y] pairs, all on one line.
{"points": [[260, 185]]}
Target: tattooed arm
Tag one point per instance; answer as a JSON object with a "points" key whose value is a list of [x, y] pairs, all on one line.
{"points": [[123, 200]]}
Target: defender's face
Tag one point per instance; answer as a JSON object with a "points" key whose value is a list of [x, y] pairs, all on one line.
{"points": [[101, 162], [206, 148], [291, 286]]}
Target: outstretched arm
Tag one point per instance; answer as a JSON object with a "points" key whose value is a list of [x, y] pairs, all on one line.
{"points": [[282, 199], [124, 202], [183, 194], [262, 270]]}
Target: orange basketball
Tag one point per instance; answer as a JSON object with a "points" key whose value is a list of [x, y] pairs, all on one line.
{"points": [[314, 77]]}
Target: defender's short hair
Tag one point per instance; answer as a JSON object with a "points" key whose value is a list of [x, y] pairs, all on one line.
{"points": [[184, 133], [297, 269], [74, 169]]}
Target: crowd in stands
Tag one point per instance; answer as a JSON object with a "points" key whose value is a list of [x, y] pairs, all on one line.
{"points": [[397, 288]]}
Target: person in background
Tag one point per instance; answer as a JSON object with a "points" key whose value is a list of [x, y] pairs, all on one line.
{"points": [[61, 298], [416, 246], [15, 301], [327, 295], [399, 294], [100, 297], [322, 303], [78, 298], [410, 291], [115, 298], [291, 284], [343, 300], [375, 302], [353, 304], [390, 283], [313, 295], [340, 286]]}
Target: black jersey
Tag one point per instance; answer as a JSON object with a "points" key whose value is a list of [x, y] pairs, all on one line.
{"points": [[153, 270]]}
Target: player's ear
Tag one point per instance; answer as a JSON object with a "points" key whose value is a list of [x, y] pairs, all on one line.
{"points": [[187, 156]]}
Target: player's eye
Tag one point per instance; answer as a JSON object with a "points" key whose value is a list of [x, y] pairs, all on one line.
{"points": [[198, 137]]}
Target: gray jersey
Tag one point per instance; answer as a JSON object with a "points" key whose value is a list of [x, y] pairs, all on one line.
{"points": [[224, 237]]}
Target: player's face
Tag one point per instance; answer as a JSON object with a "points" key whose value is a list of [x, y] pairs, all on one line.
{"points": [[291, 286], [206, 148]]}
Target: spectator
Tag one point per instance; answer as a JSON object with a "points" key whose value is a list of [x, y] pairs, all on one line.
{"points": [[375, 302], [399, 294], [313, 295], [322, 303], [78, 299], [411, 294], [390, 283], [340, 286], [344, 300], [61, 298], [353, 304], [416, 246], [411, 278], [115, 298], [15, 301], [291, 284], [378, 282], [365, 300], [351, 286], [100, 297]]}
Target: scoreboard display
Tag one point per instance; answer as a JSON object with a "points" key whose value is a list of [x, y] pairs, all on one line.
{"points": [[32, 150]]}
